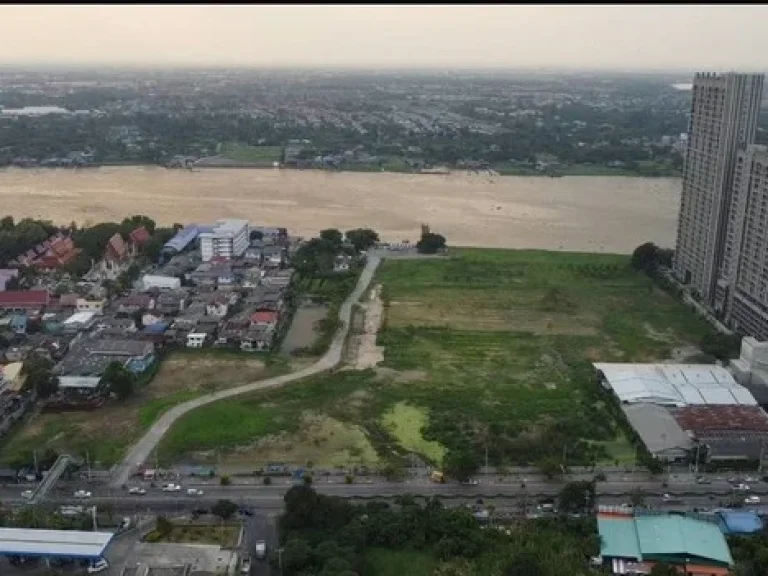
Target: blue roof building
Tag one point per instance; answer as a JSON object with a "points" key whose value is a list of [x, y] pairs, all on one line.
{"points": [[738, 521]]}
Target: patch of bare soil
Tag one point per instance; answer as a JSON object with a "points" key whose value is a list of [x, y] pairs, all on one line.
{"points": [[366, 353]]}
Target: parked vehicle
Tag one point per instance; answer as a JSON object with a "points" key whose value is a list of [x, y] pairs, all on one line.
{"points": [[261, 549], [27, 494], [82, 494], [98, 566], [137, 490], [437, 477], [245, 567], [752, 500]]}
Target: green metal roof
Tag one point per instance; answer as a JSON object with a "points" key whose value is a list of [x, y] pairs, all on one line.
{"points": [[619, 537], [659, 536]]}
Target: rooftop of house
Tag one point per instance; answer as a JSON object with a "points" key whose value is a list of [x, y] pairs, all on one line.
{"points": [[140, 235], [24, 297]]}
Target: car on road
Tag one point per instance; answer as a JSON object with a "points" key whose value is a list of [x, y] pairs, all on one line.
{"points": [[751, 479], [261, 549], [245, 567], [703, 480], [741, 487], [82, 494], [194, 492], [733, 480], [98, 566], [752, 500], [470, 482], [171, 488], [137, 491], [27, 494]]}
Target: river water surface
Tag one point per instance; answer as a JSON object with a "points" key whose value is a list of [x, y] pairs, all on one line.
{"points": [[596, 214]]}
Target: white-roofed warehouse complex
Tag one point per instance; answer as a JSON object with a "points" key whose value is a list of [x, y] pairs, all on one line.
{"points": [[676, 409], [676, 385], [54, 543]]}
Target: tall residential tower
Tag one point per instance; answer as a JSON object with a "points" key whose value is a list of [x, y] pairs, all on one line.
{"points": [[724, 113]]}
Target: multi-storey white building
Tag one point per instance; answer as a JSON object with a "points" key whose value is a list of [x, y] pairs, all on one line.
{"points": [[724, 112], [742, 290], [229, 239]]}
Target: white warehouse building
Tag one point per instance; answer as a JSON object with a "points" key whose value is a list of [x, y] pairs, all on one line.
{"points": [[674, 385], [228, 239]]}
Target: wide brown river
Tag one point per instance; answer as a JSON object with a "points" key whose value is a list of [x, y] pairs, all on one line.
{"points": [[596, 214]]}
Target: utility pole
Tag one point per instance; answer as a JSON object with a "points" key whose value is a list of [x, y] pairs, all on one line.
{"points": [[486, 455], [762, 454], [88, 463], [34, 458]]}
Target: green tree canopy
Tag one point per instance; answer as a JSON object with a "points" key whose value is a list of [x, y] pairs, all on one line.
{"points": [[224, 509], [362, 238], [430, 243], [119, 379], [460, 464]]}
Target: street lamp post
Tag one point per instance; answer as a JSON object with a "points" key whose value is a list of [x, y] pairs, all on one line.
{"points": [[280, 560]]}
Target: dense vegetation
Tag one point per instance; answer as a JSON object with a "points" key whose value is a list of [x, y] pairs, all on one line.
{"points": [[328, 536]]}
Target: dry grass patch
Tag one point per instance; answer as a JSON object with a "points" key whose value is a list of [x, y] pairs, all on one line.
{"points": [[322, 441]]}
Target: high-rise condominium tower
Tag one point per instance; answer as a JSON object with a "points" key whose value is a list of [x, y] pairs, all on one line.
{"points": [[723, 121]]}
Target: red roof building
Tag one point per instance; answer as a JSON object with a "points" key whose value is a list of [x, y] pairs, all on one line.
{"points": [[60, 253], [140, 236], [116, 248], [703, 420], [264, 318], [24, 299]]}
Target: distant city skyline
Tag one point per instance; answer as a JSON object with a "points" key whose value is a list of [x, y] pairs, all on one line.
{"points": [[646, 38]]}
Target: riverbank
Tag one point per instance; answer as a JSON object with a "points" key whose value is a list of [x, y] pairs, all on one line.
{"points": [[650, 171], [583, 213]]}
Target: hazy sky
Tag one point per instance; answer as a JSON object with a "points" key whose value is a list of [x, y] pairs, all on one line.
{"points": [[615, 37]]}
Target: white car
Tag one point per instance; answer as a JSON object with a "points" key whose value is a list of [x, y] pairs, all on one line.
{"points": [[752, 500], [98, 566], [245, 567], [27, 494], [171, 488], [82, 494], [137, 490], [471, 482], [194, 492], [741, 487]]}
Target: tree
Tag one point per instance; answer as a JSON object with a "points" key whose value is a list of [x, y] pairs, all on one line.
{"points": [[460, 464], [296, 556], [577, 496], [39, 376], [333, 236], [637, 498], [664, 570], [430, 243], [163, 525], [648, 258], [119, 379], [225, 480], [524, 563], [721, 346], [362, 238], [550, 467], [224, 509]]}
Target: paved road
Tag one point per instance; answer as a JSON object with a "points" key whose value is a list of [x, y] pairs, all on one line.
{"points": [[144, 447]]}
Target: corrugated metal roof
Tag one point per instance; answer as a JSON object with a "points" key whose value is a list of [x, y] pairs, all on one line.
{"points": [[656, 427], [739, 521], [675, 384], [72, 543], [657, 536]]}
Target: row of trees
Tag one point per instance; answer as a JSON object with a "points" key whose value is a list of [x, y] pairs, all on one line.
{"points": [[316, 257], [328, 536]]}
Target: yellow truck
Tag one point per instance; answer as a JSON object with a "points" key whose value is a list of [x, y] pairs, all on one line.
{"points": [[437, 477]]}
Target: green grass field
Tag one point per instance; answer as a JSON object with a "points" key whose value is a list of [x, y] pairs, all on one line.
{"points": [[261, 155], [488, 347]]}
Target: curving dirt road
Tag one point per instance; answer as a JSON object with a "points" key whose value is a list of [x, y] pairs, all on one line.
{"points": [[140, 451]]}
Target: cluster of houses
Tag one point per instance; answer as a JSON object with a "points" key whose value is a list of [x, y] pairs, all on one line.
{"points": [[218, 285]]}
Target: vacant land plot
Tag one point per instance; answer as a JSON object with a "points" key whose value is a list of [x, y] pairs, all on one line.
{"points": [[265, 155], [225, 535], [501, 359], [106, 432]]}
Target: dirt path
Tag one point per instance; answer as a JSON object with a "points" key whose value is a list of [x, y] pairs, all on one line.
{"points": [[366, 353]]}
